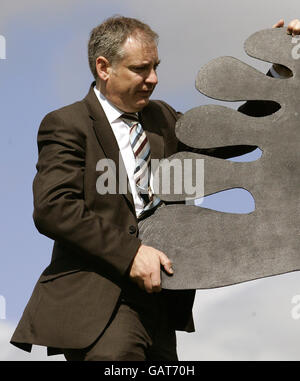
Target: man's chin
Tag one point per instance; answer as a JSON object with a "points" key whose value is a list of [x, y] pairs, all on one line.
{"points": [[142, 103], [138, 105]]}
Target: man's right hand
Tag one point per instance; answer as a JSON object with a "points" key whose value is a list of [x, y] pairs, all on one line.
{"points": [[145, 268]]}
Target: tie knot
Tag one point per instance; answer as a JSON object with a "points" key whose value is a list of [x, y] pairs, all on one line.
{"points": [[130, 116]]}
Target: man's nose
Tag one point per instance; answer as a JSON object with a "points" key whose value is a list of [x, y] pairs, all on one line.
{"points": [[152, 77]]}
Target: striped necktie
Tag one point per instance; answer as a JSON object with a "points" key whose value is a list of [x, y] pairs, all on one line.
{"points": [[141, 150]]}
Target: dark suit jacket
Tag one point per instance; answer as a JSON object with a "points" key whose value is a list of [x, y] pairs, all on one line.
{"points": [[96, 236]]}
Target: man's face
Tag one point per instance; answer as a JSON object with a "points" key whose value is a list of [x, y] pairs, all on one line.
{"points": [[132, 80]]}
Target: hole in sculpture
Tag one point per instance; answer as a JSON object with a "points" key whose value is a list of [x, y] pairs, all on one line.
{"points": [[259, 108], [248, 157], [233, 153], [235, 200]]}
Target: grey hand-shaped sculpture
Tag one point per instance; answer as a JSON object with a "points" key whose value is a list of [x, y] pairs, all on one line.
{"points": [[213, 249]]}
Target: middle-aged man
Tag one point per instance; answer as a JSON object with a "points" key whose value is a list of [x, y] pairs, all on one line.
{"points": [[101, 298]]}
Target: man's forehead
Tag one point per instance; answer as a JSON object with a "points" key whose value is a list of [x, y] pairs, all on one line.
{"points": [[138, 43]]}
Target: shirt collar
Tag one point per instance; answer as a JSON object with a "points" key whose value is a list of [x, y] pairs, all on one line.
{"points": [[112, 112]]}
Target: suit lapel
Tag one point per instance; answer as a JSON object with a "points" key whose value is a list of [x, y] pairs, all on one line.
{"points": [[106, 138], [151, 126]]}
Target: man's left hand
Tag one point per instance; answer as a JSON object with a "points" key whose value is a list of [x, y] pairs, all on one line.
{"points": [[293, 27]]}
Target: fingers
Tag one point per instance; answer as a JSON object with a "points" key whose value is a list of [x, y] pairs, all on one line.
{"points": [[166, 263], [148, 287], [146, 266], [155, 281], [152, 283], [279, 24], [294, 27]]}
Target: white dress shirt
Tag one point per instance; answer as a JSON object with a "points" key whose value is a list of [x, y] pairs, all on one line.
{"points": [[121, 132]]}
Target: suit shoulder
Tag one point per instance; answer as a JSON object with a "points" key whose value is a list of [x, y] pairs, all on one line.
{"points": [[66, 125], [71, 113], [165, 108], [169, 114], [71, 120]]}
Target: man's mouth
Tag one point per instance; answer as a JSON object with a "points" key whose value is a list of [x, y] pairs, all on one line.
{"points": [[146, 93]]}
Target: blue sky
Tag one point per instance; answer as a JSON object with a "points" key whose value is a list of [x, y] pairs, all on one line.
{"points": [[46, 68]]}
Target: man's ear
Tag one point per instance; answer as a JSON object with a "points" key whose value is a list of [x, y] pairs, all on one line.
{"points": [[103, 68]]}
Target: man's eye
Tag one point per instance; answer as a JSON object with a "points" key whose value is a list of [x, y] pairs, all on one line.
{"points": [[138, 68]]}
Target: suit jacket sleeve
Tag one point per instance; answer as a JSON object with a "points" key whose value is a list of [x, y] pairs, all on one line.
{"points": [[59, 207]]}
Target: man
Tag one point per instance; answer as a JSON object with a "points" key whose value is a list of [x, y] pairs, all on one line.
{"points": [[100, 298]]}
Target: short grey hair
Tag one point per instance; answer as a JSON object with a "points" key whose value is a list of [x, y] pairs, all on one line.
{"points": [[107, 39]]}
